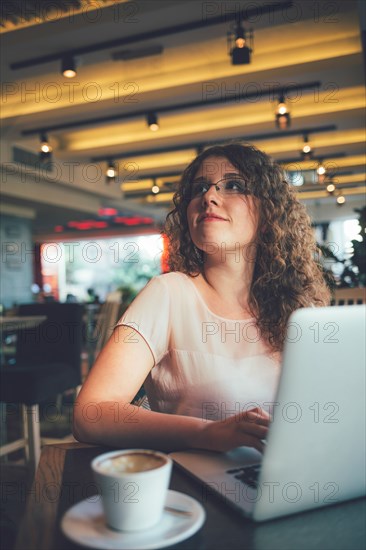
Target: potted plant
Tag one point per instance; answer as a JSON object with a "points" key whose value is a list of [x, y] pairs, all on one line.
{"points": [[354, 268]]}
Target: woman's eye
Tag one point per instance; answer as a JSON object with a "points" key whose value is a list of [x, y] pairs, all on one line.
{"points": [[235, 185], [232, 184], [199, 189]]}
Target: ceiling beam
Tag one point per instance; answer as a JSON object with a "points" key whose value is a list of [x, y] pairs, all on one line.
{"points": [[271, 92], [200, 145], [157, 33]]}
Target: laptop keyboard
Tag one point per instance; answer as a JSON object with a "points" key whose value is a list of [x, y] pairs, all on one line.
{"points": [[248, 474]]}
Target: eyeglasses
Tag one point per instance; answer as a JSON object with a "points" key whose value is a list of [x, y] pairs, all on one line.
{"points": [[234, 185]]}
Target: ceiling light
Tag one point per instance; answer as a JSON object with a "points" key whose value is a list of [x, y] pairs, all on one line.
{"points": [[45, 148], [307, 151], [283, 118], [155, 189], [238, 45], [341, 200], [152, 122], [111, 172], [321, 171], [330, 188], [68, 67]]}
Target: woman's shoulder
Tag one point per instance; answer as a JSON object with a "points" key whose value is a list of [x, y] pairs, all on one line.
{"points": [[176, 285], [172, 278]]}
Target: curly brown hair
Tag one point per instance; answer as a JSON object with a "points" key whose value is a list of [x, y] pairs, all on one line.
{"points": [[286, 274]]}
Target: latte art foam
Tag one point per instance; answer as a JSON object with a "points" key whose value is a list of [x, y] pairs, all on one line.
{"points": [[131, 463]]}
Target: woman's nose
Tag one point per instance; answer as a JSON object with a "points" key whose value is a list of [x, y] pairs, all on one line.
{"points": [[212, 195]]}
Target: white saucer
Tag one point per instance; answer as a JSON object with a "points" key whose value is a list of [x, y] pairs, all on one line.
{"points": [[84, 523]]}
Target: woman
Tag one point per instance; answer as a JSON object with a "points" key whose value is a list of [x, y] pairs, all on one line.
{"points": [[205, 339]]}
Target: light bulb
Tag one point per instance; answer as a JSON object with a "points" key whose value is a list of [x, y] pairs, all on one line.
{"points": [[111, 172], [45, 148], [69, 73], [152, 122], [282, 109], [68, 68]]}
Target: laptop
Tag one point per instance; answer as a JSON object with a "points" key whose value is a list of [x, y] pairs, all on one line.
{"points": [[315, 448]]}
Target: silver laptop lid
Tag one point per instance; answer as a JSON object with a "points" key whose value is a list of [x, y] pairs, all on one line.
{"points": [[316, 446], [315, 452]]}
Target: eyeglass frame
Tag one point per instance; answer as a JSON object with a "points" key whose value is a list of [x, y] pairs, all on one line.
{"points": [[190, 196]]}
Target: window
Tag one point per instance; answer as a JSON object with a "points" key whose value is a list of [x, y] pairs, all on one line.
{"points": [[104, 265]]}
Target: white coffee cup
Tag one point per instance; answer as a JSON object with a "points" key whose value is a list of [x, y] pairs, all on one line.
{"points": [[133, 484]]}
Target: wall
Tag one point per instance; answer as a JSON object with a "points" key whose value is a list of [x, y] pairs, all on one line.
{"points": [[16, 261]]}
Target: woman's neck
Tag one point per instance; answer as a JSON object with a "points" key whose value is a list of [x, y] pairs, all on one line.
{"points": [[230, 280]]}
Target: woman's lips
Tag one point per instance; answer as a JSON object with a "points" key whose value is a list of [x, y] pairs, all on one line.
{"points": [[212, 219]]}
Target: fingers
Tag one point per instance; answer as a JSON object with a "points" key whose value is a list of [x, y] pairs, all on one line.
{"points": [[255, 443], [258, 419], [255, 430], [259, 446], [260, 413], [256, 416], [249, 429]]}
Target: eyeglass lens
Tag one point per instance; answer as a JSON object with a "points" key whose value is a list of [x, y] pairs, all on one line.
{"points": [[226, 186]]}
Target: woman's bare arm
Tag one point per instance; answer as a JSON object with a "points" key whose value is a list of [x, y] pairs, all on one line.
{"points": [[103, 413]]}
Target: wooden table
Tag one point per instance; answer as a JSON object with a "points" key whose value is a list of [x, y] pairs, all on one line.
{"points": [[64, 477], [13, 324]]}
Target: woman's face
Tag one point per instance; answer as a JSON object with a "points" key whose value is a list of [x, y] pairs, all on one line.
{"points": [[217, 219]]}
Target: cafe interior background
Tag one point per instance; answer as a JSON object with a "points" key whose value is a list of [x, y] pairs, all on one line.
{"points": [[149, 84], [105, 102]]}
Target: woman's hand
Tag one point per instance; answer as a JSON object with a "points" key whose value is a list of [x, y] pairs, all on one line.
{"points": [[244, 429]]}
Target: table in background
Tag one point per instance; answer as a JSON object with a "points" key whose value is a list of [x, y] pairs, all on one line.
{"points": [[21, 323], [64, 477], [12, 325]]}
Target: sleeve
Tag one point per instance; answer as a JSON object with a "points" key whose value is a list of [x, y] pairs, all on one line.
{"points": [[149, 315]]}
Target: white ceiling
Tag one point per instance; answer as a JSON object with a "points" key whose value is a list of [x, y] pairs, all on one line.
{"points": [[311, 41]]}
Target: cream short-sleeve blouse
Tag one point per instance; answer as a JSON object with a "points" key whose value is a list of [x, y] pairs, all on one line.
{"points": [[205, 365]]}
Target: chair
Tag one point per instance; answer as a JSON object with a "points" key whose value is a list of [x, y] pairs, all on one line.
{"points": [[349, 296], [141, 400], [110, 313], [107, 318], [48, 362]]}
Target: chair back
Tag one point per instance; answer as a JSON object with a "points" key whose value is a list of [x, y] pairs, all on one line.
{"points": [[108, 316], [57, 340], [349, 296]]}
